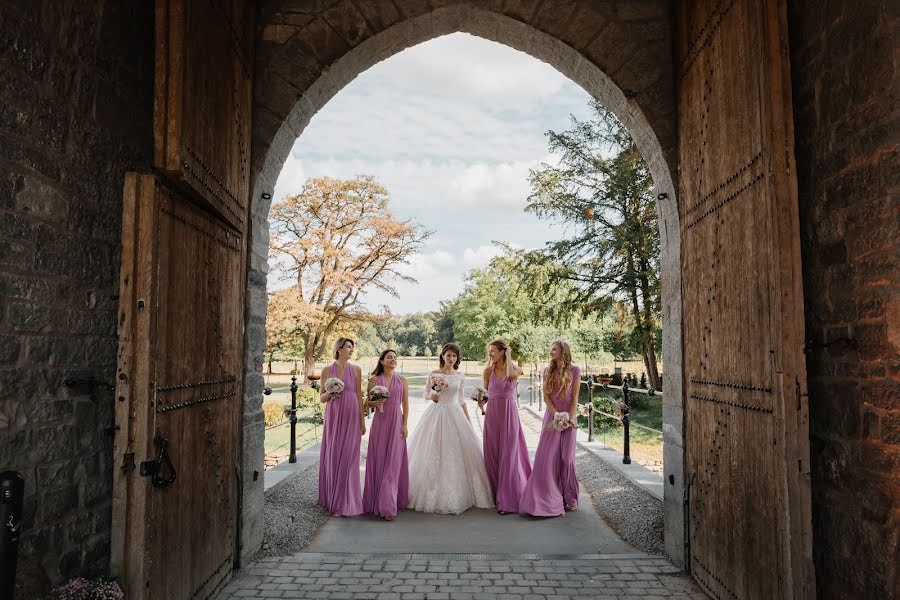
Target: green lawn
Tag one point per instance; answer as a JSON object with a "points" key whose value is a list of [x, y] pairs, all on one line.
{"points": [[646, 447]]}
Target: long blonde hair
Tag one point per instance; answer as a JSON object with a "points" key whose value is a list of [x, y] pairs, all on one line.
{"points": [[507, 356], [560, 369]]}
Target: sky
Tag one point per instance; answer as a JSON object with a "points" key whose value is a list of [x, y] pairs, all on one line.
{"points": [[451, 127]]}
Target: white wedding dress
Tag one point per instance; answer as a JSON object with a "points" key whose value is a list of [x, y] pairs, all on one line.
{"points": [[446, 466]]}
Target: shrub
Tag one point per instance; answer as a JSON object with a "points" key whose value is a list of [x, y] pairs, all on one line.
{"points": [[308, 402], [616, 379], [273, 413], [643, 383]]}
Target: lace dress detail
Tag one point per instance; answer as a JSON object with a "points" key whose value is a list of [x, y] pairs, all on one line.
{"points": [[446, 466]]}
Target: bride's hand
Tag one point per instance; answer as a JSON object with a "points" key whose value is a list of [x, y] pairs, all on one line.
{"points": [[403, 432]]}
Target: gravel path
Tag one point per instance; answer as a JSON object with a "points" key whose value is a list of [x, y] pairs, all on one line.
{"points": [[292, 517], [632, 513]]}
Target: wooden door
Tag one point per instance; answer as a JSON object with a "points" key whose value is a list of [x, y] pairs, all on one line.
{"points": [[746, 416], [179, 380], [181, 310]]}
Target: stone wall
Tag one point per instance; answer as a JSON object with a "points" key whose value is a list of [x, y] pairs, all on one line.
{"points": [[75, 114], [845, 88]]}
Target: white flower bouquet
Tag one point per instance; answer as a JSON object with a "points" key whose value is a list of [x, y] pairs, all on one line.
{"points": [[379, 393], [333, 386], [560, 422], [437, 383], [480, 395]]}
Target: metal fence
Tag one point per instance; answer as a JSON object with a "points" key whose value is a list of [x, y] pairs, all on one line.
{"points": [[620, 440], [272, 453]]}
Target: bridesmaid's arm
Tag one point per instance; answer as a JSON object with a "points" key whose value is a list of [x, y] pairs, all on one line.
{"points": [[517, 372], [369, 385], [486, 378], [323, 395], [576, 387], [359, 401], [547, 400], [403, 429]]}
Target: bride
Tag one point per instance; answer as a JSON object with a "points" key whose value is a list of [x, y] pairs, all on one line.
{"points": [[446, 467]]}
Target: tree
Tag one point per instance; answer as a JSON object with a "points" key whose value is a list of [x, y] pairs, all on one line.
{"points": [[601, 187], [334, 241]]}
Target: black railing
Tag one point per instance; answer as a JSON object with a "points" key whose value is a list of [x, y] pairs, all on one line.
{"points": [[291, 421], [536, 394]]}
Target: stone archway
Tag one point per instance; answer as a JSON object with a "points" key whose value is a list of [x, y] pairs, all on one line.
{"points": [[620, 54]]}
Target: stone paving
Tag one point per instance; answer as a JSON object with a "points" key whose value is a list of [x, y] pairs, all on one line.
{"points": [[331, 570], [338, 576]]}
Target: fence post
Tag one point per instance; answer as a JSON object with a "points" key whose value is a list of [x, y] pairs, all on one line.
{"points": [[626, 418], [293, 418], [590, 384], [12, 491], [531, 389]]}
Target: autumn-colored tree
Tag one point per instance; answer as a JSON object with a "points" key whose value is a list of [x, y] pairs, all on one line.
{"points": [[335, 241]]}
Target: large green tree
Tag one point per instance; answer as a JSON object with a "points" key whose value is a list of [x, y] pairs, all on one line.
{"points": [[601, 188]]}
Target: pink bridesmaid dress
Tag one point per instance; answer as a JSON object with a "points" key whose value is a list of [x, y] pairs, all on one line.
{"points": [[505, 452], [387, 467], [553, 485], [339, 489]]}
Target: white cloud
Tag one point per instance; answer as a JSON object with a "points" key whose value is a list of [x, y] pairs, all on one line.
{"points": [[464, 65], [475, 258], [451, 127]]}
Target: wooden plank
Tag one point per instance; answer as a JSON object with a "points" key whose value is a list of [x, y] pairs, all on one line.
{"points": [[124, 360], [203, 101]]}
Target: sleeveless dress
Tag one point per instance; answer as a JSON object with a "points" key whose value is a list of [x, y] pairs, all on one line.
{"points": [[553, 485], [339, 489], [387, 470], [505, 451], [446, 469]]}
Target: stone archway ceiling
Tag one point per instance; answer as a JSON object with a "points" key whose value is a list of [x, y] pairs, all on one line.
{"points": [[619, 51]]}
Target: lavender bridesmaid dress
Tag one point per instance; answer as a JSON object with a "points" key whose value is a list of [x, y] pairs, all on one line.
{"points": [[387, 468], [553, 485], [339, 489], [505, 452]]}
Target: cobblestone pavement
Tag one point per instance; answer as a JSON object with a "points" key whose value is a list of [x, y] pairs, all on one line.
{"points": [[336, 576]]}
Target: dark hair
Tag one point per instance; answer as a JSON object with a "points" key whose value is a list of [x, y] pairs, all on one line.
{"points": [[452, 348], [379, 368], [340, 344]]}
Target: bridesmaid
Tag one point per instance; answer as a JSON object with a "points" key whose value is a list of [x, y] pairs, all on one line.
{"points": [[505, 452], [387, 470], [339, 489], [553, 487]]}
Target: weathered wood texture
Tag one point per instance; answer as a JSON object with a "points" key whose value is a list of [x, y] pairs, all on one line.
{"points": [[204, 74], [181, 308], [747, 439], [179, 377]]}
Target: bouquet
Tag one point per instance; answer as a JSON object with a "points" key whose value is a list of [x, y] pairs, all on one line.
{"points": [[560, 422], [585, 410], [379, 393], [88, 589], [334, 386], [480, 396], [623, 410], [437, 382]]}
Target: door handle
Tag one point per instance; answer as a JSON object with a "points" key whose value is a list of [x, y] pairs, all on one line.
{"points": [[160, 471]]}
